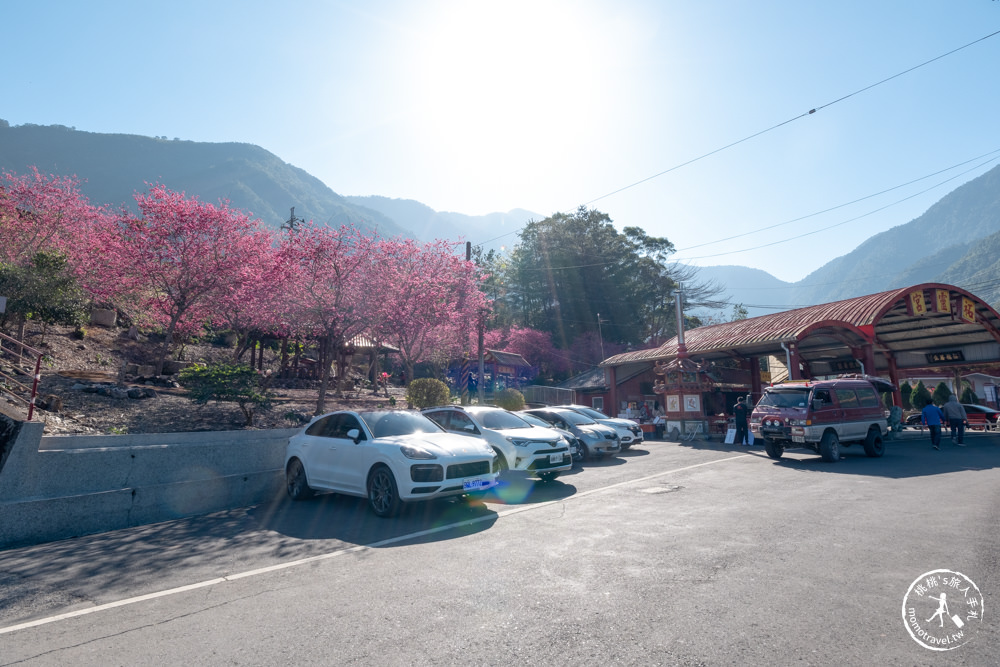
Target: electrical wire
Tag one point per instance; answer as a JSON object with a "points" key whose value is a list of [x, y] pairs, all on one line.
{"points": [[776, 126], [839, 206], [844, 222], [791, 120]]}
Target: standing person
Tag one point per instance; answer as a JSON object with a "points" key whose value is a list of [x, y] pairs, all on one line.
{"points": [[658, 420], [740, 413], [956, 416], [931, 416]]}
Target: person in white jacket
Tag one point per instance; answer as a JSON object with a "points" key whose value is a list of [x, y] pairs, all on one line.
{"points": [[955, 414]]}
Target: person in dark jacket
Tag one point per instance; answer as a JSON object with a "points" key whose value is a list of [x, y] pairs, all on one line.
{"points": [[740, 412], [956, 416]]}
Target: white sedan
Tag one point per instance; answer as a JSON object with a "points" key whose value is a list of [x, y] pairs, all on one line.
{"points": [[387, 456]]}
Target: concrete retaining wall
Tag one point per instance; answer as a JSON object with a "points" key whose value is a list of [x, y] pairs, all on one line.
{"points": [[56, 487]]}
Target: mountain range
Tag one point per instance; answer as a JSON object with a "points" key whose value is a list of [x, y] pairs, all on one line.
{"points": [[956, 241]]}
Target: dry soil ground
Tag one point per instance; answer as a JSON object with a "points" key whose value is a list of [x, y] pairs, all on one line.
{"points": [[98, 358]]}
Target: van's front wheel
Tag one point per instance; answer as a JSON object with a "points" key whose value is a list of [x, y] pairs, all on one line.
{"points": [[874, 446], [829, 447], [773, 449]]}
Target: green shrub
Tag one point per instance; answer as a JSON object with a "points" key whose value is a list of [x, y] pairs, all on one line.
{"points": [[969, 396], [227, 383], [920, 396], [510, 399], [941, 393], [906, 390], [427, 392]]}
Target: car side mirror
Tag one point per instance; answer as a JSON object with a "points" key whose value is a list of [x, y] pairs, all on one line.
{"points": [[818, 404], [355, 435], [471, 428]]}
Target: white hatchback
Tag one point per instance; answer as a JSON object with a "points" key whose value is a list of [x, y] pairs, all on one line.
{"points": [[387, 456]]}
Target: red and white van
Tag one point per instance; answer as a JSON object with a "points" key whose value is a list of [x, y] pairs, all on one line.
{"points": [[822, 415]]}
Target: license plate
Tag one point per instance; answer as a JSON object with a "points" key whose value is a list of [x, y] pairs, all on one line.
{"points": [[556, 458], [798, 438], [475, 484]]}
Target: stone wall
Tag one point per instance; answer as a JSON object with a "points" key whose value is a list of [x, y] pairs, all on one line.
{"points": [[58, 487]]}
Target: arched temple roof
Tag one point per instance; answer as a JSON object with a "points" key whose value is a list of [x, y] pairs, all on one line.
{"points": [[931, 324]]}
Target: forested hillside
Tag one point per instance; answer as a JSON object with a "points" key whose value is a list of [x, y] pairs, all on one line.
{"points": [[113, 167], [491, 231], [933, 247], [953, 241]]}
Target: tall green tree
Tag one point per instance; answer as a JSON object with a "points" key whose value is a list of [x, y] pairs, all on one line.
{"points": [[576, 274], [905, 391], [43, 290], [941, 393], [920, 396]]}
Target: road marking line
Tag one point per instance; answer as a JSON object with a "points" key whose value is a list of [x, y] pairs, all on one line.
{"points": [[342, 552]]}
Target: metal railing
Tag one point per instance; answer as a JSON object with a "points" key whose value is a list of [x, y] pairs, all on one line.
{"points": [[16, 359]]}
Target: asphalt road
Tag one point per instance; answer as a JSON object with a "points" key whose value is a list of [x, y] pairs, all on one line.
{"points": [[674, 554]]}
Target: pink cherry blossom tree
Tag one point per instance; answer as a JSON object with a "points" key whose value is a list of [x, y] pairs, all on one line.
{"points": [[178, 260], [434, 301], [258, 305], [43, 213], [328, 295], [44, 224]]}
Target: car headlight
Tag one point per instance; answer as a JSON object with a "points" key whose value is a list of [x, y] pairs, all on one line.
{"points": [[411, 452], [590, 435], [518, 442]]}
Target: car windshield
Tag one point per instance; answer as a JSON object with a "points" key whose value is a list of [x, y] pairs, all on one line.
{"points": [[785, 398], [574, 417], [385, 423], [593, 414], [533, 420], [496, 420]]}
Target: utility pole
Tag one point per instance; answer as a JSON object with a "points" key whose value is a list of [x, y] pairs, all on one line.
{"points": [[292, 223], [466, 371], [600, 336]]}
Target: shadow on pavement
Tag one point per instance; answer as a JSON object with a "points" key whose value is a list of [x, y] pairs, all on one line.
{"points": [[908, 454]]}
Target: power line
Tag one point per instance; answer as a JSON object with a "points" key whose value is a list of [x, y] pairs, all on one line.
{"points": [[790, 120], [774, 127], [843, 222], [855, 201]]}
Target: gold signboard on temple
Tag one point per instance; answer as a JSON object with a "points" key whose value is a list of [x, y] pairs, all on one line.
{"points": [[968, 310], [915, 304], [942, 301]]}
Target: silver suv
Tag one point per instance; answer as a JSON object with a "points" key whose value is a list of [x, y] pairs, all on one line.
{"points": [[597, 440], [629, 432]]}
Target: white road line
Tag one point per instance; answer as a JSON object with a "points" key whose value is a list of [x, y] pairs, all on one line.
{"points": [[341, 552]]}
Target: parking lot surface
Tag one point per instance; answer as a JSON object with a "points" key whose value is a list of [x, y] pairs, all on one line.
{"points": [[693, 553]]}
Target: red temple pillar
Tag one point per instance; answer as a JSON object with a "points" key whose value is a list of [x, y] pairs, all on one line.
{"points": [[755, 389], [612, 379]]}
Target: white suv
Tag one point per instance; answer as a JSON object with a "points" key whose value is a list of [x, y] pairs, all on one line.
{"points": [[518, 444]]}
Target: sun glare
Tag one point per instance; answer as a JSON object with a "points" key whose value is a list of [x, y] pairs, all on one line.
{"points": [[505, 77]]}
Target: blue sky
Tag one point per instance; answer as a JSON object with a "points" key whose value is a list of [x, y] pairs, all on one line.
{"points": [[477, 107]]}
